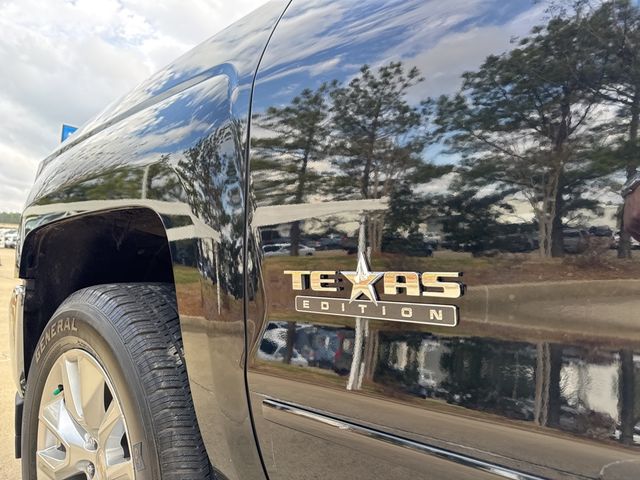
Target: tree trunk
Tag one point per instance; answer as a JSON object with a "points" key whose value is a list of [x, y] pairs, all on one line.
{"points": [[548, 392], [624, 242], [554, 189], [294, 234], [371, 354], [626, 397], [542, 382], [557, 237], [555, 366], [543, 238], [624, 245]]}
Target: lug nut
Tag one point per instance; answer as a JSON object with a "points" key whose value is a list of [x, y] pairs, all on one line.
{"points": [[90, 443]]}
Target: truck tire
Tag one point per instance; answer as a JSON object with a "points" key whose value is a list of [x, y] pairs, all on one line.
{"points": [[107, 394]]}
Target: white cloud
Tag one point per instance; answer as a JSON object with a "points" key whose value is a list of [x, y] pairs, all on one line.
{"points": [[65, 60]]}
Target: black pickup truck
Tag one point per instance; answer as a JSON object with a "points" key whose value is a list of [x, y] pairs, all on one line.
{"points": [[153, 337]]}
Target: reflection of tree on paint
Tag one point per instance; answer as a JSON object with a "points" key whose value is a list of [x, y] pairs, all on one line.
{"points": [[379, 137], [525, 120], [210, 174], [554, 117], [471, 221], [615, 36], [370, 135], [298, 137]]}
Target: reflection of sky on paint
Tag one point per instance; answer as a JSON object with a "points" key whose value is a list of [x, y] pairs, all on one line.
{"points": [[173, 125], [334, 39], [234, 52]]}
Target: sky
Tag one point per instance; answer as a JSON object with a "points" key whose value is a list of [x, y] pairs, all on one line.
{"points": [[63, 61]]}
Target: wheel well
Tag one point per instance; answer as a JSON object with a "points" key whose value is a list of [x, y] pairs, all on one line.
{"points": [[119, 246]]}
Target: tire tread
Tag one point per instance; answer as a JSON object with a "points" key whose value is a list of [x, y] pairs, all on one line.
{"points": [[146, 319]]}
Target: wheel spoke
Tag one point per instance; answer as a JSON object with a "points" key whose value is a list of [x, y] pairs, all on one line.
{"points": [[120, 471], [83, 391], [50, 461], [58, 421], [112, 427], [54, 463], [77, 432], [92, 386], [72, 388]]}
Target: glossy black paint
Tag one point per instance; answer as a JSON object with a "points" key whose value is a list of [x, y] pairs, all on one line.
{"points": [[153, 190], [539, 379]]}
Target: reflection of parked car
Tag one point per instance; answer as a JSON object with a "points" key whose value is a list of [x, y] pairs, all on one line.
{"points": [[574, 240], [635, 244], [413, 246], [271, 236], [617, 433], [275, 352], [317, 344], [515, 242], [602, 236], [433, 239], [427, 383], [10, 239], [344, 353], [281, 249]]}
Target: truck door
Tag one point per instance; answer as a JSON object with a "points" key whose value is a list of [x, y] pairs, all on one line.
{"points": [[438, 285]]}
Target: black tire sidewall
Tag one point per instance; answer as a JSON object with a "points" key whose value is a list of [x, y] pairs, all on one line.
{"points": [[85, 327]]}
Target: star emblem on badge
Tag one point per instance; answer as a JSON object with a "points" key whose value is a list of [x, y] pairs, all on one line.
{"points": [[363, 280]]}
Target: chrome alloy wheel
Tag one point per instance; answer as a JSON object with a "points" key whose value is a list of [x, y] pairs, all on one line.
{"points": [[81, 425]]}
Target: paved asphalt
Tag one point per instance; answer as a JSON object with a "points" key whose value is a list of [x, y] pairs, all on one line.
{"points": [[9, 466]]}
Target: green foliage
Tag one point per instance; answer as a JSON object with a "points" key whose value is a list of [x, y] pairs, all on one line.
{"points": [[297, 138], [470, 220], [10, 217], [405, 210], [378, 135]]}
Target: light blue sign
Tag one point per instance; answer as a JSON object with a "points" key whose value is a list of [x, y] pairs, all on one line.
{"points": [[66, 131]]}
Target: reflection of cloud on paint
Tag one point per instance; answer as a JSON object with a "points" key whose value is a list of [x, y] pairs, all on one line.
{"points": [[329, 35], [322, 67], [232, 52], [141, 139], [68, 59], [458, 52], [437, 186]]}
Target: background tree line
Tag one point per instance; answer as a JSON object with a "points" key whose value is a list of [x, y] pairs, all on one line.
{"points": [[10, 217], [554, 119], [356, 141]]}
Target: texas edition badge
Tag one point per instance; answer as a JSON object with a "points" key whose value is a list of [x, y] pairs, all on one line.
{"points": [[364, 301]]}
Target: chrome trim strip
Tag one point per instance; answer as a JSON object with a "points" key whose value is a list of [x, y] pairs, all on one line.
{"points": [[494, 469]]}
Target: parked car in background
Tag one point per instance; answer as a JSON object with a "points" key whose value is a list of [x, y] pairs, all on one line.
{"points": [[635, 244], [153, 337], [413, 245], [601, 236], [275, 351], [10, 239], [574, 240], [433, 239], [279, 249]]}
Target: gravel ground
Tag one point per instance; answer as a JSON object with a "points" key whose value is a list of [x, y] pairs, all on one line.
{"points": [[9, 466]]}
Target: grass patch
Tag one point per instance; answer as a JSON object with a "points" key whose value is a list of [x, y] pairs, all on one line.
{"points": [[182, 274]]}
